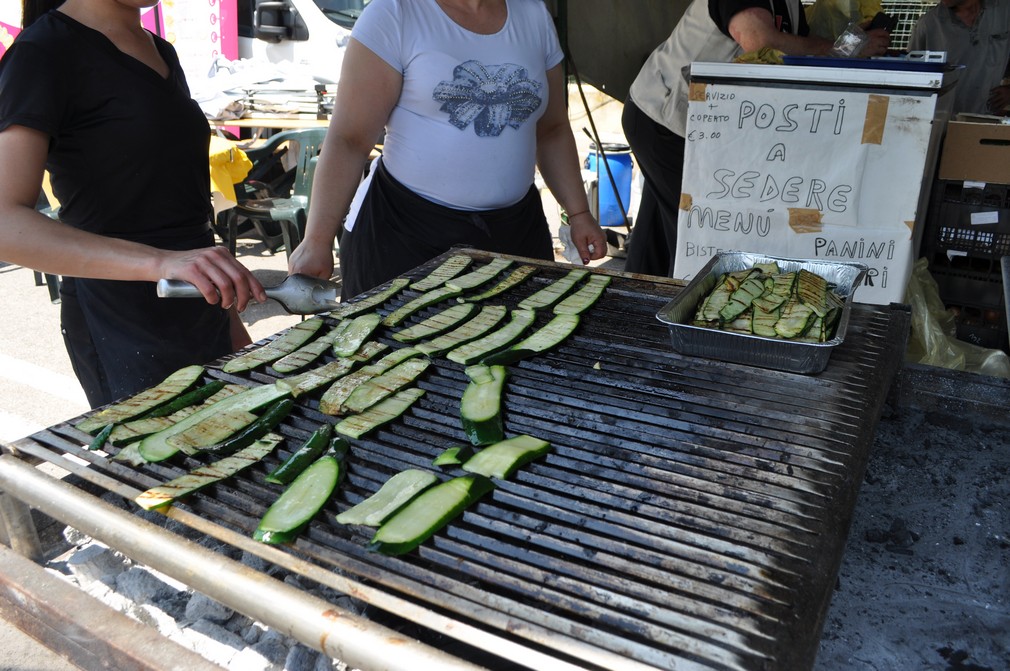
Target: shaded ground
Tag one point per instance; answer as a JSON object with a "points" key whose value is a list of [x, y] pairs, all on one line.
{"points": [[924, 582]]}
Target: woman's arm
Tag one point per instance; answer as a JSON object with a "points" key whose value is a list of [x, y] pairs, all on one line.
{"points": [[368, 90], [558, 160], [33, 240]]}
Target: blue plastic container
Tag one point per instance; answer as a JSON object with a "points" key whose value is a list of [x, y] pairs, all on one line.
{"points": [[618, 157]]}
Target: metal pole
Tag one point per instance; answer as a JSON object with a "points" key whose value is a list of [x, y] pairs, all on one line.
{"points": [[315, 622], [17, 528], [563, 38]]}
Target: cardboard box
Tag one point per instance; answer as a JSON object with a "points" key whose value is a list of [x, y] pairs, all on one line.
{"points": [[976, 152]]}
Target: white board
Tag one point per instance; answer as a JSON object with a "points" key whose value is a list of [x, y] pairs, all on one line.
{"points": [[821, 173]]}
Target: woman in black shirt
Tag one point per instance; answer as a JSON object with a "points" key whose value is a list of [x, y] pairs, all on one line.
{"points": [[102, 104]]}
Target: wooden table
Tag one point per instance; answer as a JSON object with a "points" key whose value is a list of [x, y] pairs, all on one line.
{"points": [[274, 122]]}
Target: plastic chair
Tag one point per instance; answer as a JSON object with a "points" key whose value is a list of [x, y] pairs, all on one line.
{"points": [[290, 211]]}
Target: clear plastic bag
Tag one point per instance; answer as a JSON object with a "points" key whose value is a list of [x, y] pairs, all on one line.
{"points": [[830, 18], [850, 42], [933, 340]]}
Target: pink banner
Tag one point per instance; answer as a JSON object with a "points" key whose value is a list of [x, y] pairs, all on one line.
{"points": [[153, 20], [7, 35]]}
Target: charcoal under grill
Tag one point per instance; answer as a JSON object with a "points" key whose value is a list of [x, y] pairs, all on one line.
{"points": [[690, 515]]}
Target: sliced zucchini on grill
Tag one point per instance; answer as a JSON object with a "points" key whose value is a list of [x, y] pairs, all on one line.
{"points": [[98, 442], [347, 310], [306, 354], [355, 333], [395, 493], [437, 323], [480, 407], [584, 297], [424, 516], [453, 456], [515, 277], [193, 397], [164, 495], [474, 351], [397, 316], [164, 392], [551, 334], [136, 429], [212, 429], [130, 432], [379, 387], [314, 378], [273, 416], [230, 430], [448, 269], [300, 459], [553, 292], [381, 413], [156, 447], [282, 345], [502, 459], [488, 317], [334, 397], [478, 277], [300, 502]]}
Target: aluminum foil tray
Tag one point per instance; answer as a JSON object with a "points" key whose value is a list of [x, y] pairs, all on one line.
{"points": [[785, 355]]}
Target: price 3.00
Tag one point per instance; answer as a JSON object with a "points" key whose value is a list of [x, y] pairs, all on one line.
{"points": [[696, 135]]}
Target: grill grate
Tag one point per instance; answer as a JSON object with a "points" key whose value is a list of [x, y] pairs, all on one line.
{"points": [[690, 515]]}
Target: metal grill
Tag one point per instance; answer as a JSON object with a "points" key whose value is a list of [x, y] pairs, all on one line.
{"points": [[691, 513]]}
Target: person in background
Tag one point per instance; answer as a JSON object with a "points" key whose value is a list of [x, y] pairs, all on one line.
{"points": [[975, 34], [471, 95], [655, 113], [102, 104]]}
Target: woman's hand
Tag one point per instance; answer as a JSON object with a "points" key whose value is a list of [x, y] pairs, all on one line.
{"points": [[312, 258], [216, 273], [878, 43], [588, 237]]}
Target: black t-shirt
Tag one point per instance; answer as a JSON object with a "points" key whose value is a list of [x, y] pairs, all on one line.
{"points": [[722, 11], [128, 151], [128, 158]]}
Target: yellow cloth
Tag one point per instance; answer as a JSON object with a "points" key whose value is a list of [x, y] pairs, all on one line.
{"points": [[229, 165]]}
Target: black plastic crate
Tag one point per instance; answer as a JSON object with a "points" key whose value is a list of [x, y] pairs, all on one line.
{"points": [[983, 327], [965, 287], [967, 226]]}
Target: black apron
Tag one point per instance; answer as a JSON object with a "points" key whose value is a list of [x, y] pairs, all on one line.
{"points": [[122, 338], [396, 230]]}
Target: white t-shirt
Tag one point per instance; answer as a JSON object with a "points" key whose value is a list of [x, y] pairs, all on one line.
{"points": [[463, 133]]}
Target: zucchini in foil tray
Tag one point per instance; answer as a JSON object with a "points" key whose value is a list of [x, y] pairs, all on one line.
{"points": [[761, 300]]}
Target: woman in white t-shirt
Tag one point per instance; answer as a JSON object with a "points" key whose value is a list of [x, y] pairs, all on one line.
{"points": [[471, 96]]}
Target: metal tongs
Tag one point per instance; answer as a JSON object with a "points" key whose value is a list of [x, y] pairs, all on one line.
{"points": [[297, 294]]}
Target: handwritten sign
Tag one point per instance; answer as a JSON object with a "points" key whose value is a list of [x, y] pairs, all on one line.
{"points": [[822, 173]]}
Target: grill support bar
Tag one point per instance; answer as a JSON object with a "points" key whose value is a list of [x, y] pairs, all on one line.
{"points": [[81, 628], [431, 619], [313, 621]]}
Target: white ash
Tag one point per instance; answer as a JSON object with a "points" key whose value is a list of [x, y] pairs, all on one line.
{"points": [[191, 619]]}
